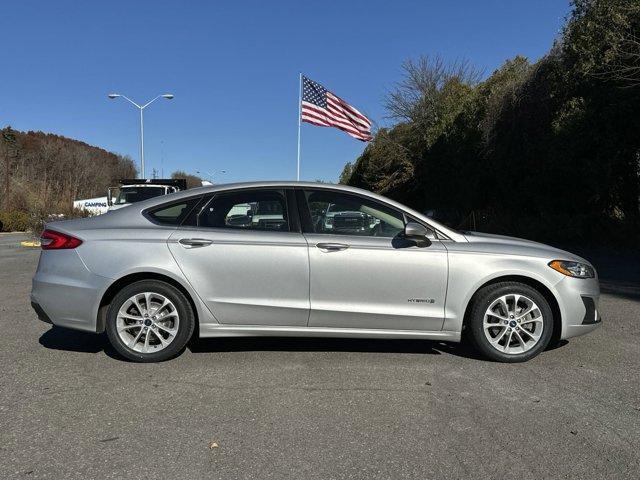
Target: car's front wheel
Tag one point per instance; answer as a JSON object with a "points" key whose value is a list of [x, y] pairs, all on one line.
{"points": [[149, 321], [510, 322]]}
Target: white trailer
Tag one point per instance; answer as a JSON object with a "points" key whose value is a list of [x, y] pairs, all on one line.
{"points": [[95, 206]]}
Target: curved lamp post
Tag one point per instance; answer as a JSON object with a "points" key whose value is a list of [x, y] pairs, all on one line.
{"points": [[167, 96], [210, 174]]}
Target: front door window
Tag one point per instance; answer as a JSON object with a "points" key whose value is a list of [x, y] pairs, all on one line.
{"points": [[344, 214]]}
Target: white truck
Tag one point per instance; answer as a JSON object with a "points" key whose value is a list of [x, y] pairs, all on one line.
{"points": [[131, 191], [135, 190]]}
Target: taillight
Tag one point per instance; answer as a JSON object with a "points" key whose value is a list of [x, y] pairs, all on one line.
{"points": [[51, 240]]}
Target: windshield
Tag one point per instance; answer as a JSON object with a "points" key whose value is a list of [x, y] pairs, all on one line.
{"points": [[137, 194], [269, 208], [335, 208]]}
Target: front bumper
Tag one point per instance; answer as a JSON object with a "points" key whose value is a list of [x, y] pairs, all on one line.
{"points": [[579, 306]]}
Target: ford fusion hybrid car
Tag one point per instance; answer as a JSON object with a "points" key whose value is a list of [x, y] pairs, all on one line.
{"points": [[304, 259]]}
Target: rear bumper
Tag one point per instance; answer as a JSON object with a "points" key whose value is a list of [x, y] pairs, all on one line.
{"points": [[41, 313], [65, 293]]}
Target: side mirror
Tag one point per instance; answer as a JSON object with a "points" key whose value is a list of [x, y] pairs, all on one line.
{"points": [[110, 196], [418, 233], [415, 231]]}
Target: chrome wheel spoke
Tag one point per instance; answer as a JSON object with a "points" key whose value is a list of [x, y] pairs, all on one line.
{"points": [[525, 312], [170, 331], [531, 335], [499, 337], [502, 302], [161, 338], [497, 315], [147, 303], [135, 301], [516, 299], [494, 325], [522, 342], [145, 348], [136, 338], [508, 342], [161, 307], [128, 326], [537, 319]]}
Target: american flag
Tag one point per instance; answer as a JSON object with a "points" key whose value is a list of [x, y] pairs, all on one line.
{"points": [[323, 108]]}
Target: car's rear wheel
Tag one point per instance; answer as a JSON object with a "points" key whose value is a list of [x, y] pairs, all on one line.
{"points": [[510, 322], [149, 321]]}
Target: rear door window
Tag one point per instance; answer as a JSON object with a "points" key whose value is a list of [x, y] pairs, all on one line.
{"points": [[260, 209]]}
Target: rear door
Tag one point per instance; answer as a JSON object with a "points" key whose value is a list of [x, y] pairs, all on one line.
{"points": [[363, 273], [246, 257]]}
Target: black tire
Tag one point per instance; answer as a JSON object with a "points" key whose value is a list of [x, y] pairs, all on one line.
{"points": [[185, 327], [481, 302]]}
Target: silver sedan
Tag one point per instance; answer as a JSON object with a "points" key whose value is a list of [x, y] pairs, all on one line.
{"points": [[304, 259]]}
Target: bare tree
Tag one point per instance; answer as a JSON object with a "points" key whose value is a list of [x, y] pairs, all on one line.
{"points": [[626, 67], [417, 96], [603, 38]]}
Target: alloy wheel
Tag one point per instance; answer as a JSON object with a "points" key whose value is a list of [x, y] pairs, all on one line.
{"points": [[147, 322], [513, 324]]}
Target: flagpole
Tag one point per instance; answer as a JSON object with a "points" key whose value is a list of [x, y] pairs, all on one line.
{"points": [[299, 120]]}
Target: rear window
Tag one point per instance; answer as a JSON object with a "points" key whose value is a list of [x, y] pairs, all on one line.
{"points": [[138, 194], [173, 213]]}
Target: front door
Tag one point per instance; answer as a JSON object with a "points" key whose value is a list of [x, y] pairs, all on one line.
{"points": [[247, 259], [363, 273]]}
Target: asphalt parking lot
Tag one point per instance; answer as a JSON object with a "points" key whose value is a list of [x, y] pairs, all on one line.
{"points": [[302, 408]]}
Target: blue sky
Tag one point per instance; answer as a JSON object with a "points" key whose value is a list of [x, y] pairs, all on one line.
{"points": [[233, 68]]}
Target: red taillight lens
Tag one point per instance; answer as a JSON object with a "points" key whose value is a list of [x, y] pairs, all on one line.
{"points": [[51, 240]]}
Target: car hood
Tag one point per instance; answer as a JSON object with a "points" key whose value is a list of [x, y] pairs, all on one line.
{"points": [[518, 246]]}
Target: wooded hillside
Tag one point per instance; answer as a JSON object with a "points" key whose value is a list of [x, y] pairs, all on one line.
{"points": [[47, 172], [549, 150]]}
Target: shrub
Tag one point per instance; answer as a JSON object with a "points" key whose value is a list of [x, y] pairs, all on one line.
{"points": [[14, 221], [34, 220]]}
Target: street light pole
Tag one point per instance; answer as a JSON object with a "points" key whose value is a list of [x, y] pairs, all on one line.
{"points": [[167, 96], [142, 142], [210, 174]]}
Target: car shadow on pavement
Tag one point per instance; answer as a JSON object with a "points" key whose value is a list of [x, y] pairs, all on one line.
{"points": [[358, 345], [58, 338]]}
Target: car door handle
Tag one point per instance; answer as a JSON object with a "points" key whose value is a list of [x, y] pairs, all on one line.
{"points": [[332, 247], [194, 242]]}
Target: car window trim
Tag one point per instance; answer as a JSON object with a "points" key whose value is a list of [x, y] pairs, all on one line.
{"points": [[147, 212], [197, 209]]}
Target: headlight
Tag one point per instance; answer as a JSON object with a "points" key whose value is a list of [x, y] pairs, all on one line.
{"points": [[573, 269]]}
